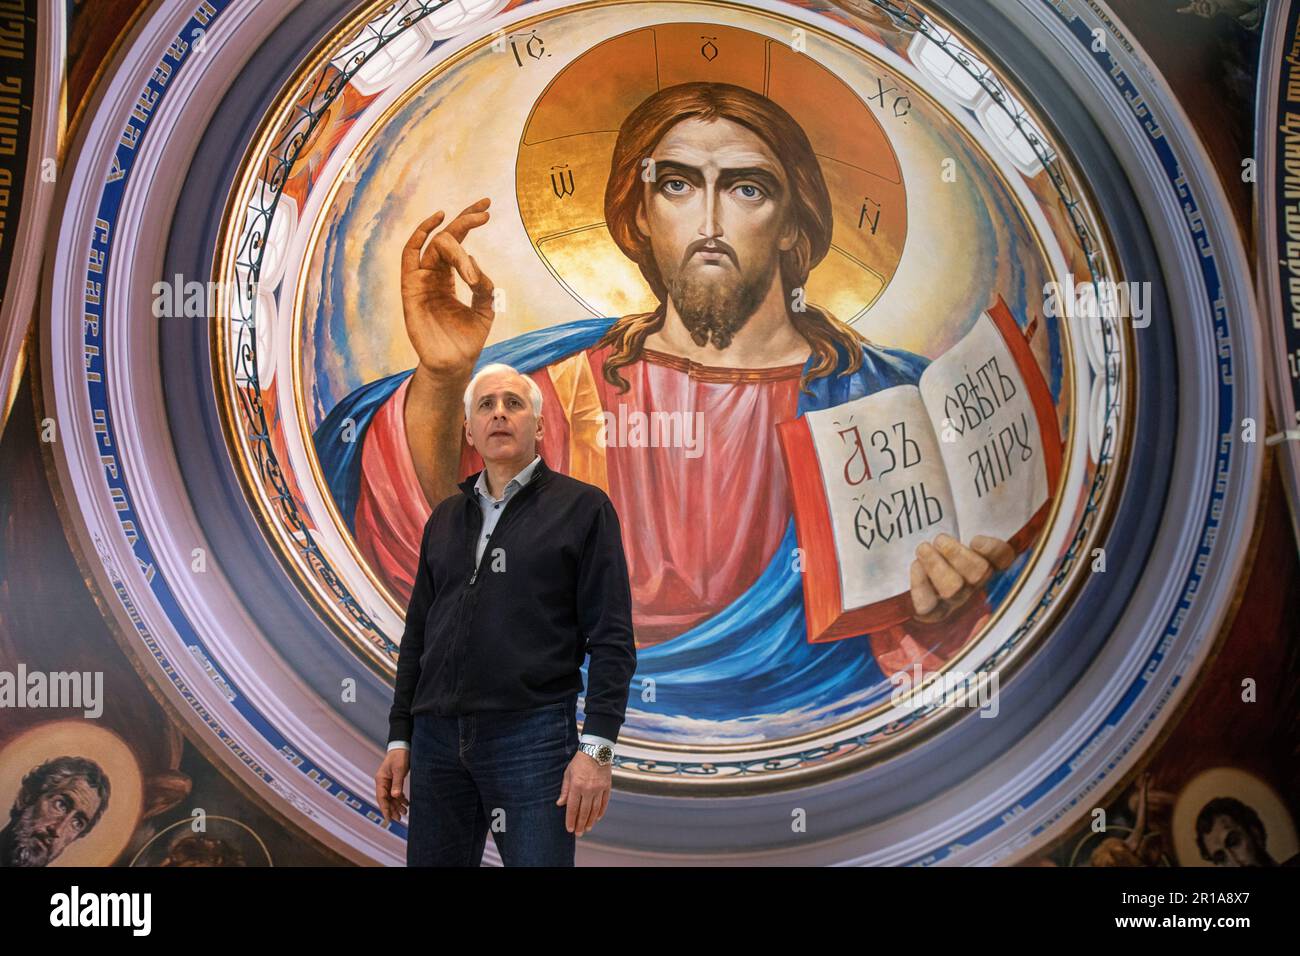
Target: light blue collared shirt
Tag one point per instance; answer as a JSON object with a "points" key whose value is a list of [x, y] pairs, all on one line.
{"points": [[492, 508]]}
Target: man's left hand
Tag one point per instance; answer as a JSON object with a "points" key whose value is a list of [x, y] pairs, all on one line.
{"points": [[946, 573], [585, 792]]}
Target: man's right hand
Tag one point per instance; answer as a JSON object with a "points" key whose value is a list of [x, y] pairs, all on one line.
{"points": [[388, 784], [447, 334]]}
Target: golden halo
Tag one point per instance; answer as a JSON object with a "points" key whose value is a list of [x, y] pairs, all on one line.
{"points": [[1279, 829], [81, 738], [243, 836], [568, 142]]}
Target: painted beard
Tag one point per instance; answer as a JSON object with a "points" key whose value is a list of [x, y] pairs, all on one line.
{"points": [[26, 849], [714, 310]]}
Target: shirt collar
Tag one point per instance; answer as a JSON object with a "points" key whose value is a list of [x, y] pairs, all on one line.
{"points": [[521, 479]]}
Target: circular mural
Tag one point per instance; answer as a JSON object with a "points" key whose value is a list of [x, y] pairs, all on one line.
{"points": [[723, 700]]}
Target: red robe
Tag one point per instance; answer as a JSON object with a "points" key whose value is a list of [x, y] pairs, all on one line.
{"points": [[699, 525]]}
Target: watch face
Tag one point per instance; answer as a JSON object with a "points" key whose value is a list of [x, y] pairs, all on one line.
{"points": [[604, 754]]}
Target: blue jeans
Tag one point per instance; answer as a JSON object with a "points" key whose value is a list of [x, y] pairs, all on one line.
{"points": [[499, 770]]}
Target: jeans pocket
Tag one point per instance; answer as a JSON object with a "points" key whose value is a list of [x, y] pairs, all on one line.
{"points": [[544, 727], [571, 728]]}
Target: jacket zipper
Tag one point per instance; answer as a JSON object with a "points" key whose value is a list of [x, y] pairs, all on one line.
{"points": [[463, 624], [500, 525]]}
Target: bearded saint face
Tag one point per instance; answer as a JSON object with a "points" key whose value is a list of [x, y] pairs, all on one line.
{"points": [[59, 815], [716, 218]]}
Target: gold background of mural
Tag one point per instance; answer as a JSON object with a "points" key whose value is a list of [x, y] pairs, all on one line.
{"points": [[569, 139]]}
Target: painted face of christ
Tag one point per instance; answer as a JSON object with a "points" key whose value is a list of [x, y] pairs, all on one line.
{"points": [[717, 218]]}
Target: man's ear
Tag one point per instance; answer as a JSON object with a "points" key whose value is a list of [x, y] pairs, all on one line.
{"points": [[642, 224], [24, 799], [468, 437], [789, 234]]}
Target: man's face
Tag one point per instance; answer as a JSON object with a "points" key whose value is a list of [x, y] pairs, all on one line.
{"points": [[717, 220], [58, 816], [1228, 843], [501, 425]]}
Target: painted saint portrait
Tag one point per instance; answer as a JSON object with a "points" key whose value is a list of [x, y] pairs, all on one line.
{"points": [[807, 507], [74, 794], [59, 802]]}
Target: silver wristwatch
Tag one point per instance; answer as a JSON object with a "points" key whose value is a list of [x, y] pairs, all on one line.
{"points": [[603, 754]]}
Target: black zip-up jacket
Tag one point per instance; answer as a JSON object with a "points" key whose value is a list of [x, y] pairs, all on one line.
{"points": [[511, 634]]}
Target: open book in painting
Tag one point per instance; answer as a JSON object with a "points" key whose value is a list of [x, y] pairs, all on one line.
{"points": [[973, 448]]}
